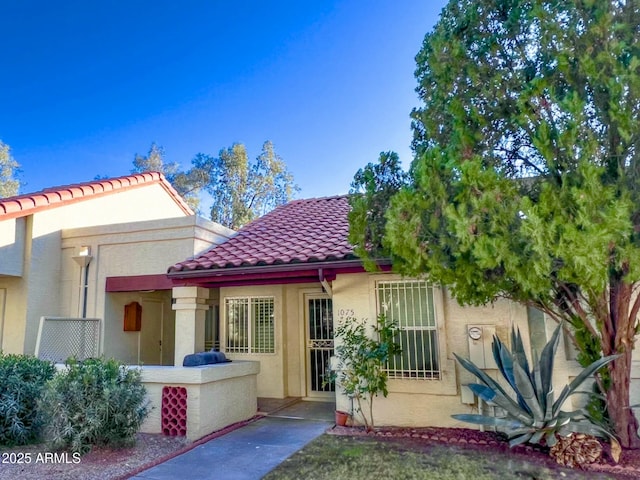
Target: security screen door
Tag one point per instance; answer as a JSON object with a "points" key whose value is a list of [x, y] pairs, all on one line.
{"points": [[319, 345]]}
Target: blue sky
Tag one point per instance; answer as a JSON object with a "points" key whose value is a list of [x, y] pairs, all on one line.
{"points": [[87, 85]]}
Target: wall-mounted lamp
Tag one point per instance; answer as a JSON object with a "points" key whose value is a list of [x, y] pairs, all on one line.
{"points": [[83, 257]]}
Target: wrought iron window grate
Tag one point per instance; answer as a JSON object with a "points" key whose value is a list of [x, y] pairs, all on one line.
{"points": [[410, 305], [250, 325]]}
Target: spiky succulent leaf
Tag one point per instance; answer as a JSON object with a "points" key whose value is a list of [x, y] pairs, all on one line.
{"points": [[520, 440], [485, 393], [518, 350], [584, 426], [550, 439], [495, 349], [488, 421], [526, 391], [506, 403], [548, 414], [570, 389], [505, 360], [482, 376], [546, 361], [537, 436], [535, 418]]}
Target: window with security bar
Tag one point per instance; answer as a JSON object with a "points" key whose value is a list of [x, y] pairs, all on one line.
{"points": [[250, 325], [410, 305]]}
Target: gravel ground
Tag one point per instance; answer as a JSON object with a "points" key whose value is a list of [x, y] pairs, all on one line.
{"points": [[35, 462]]}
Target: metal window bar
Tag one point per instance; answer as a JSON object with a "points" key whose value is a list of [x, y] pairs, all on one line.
{"points": [[250, 325], [237, 319], [60, 338], [263, 334], [410, 305]]}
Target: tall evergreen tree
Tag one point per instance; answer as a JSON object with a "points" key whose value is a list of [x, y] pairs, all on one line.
{"points": [[188, 184], [9, 184], [240, 190], [526, 178], [244, 190]]}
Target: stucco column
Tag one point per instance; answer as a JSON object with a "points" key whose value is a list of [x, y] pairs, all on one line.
{"points": [[190, 306]]}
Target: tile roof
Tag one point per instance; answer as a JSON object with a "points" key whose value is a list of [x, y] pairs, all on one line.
{"points": [[302, 231], [26, 204]]}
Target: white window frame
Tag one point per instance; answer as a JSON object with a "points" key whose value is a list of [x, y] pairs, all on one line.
{"points": [[249, 326], [397, 368]]}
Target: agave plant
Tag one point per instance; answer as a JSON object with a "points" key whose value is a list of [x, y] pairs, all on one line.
{"points": [[532, 414]]}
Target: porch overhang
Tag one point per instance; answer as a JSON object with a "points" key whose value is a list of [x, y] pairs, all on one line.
{"points": [[270, 274], [137, 283]]}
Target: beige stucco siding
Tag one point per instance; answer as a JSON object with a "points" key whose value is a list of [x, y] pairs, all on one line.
{"points": [[282, 373], [271, 379], [426, 402], [43, 261], [137, 231], [137, 248], [12, 319], [12, 246], [141, 347]]}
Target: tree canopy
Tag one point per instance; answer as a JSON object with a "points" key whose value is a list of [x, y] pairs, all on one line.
{"points": [[9, 184], [187, 183], [240, 190], [525, 183]]}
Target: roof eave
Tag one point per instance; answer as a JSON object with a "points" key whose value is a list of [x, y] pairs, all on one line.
{"points": [[279, 268]]}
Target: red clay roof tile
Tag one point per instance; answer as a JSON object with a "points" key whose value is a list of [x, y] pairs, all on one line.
{"points": [[302, 231], [21, 205]]}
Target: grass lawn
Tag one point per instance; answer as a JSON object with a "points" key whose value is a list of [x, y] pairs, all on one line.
{"points": [[333, 457]]}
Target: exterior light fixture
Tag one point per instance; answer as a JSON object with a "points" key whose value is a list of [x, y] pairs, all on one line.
{"points": [[83, 259]]}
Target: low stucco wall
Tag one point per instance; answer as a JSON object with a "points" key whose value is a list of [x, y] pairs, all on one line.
{"points": [[217, 395]]}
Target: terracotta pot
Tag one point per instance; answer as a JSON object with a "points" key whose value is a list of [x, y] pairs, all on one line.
{"points": [[341, 418]]}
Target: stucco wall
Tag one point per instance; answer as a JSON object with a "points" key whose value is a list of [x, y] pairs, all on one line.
{"points": [[282, 373], [217, 395], [271, 380], [427, 402], [43, 262], [12, 246], [137, 248], [12, 318]]}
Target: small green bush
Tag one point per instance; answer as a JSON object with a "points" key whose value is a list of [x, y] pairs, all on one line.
{"points": [[22, 380], [94, 402]]}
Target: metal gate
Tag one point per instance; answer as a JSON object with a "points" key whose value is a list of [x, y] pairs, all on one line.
{"points": [[319, 345]]}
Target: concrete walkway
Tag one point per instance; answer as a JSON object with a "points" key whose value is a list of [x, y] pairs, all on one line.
{"points": [[252, 451]]}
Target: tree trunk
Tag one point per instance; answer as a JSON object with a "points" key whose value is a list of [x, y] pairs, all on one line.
{"points": [[624, 421], [618, 335]]}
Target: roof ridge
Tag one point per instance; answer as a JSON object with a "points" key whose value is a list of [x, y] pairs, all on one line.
{"points": [[19, 205], [328, 197]]}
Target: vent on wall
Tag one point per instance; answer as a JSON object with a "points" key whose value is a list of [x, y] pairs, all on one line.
{"points": [[174, 411]]}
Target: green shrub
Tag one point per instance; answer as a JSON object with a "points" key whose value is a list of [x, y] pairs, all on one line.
{"points": [[362, 360], [94, 402], [22, 379]]}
